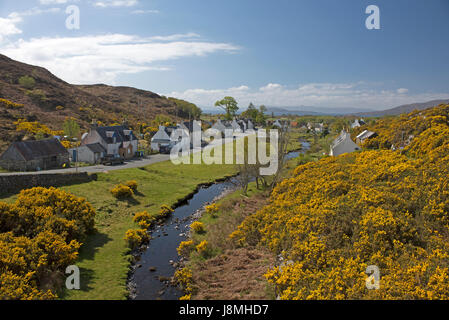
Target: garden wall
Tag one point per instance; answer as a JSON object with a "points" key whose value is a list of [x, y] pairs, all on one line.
{"points": [[16, 183]]}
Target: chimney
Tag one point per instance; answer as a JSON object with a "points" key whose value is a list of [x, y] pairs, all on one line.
{"points": [[94, 124]]}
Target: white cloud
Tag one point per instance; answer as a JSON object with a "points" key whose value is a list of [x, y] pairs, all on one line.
{"points": [[402, 90], [116, 3], [9, 25], [338, 95], [47, 2], [33, 12], [271, 87], [95, 59], [145, 12]]}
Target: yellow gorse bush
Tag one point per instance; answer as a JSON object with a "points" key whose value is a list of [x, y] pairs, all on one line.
{"points": [[202, 247], [185, 248], [121, 192], [165, 211], [9, 104], [35, 128], [136, 237], [40, 234], [212, 209], [198, 227], [183, 278], [144, 219], [335, 217], [132, 185]]}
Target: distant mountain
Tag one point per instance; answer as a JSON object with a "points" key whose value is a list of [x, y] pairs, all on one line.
{"points": [[299, 111], [406, 108], [284, 111], [311, 111]]}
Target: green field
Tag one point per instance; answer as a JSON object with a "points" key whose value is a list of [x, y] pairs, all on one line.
{"points": [[104, 259]]}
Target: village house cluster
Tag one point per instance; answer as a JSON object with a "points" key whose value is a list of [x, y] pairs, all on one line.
{"points": [[109, 144], [115, 144], [167, 137], [100, 143]]}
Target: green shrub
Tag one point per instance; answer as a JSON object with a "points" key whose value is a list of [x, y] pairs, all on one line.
{"points": [[27, 82], [37, 95]]}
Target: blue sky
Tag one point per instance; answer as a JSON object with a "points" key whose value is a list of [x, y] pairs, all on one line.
{"points": [[278, 53]]}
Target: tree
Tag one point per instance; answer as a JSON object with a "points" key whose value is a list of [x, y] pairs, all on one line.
{"points": [[72, 131], [71, 128], [186, 110], [256, 115], [229, 105]]}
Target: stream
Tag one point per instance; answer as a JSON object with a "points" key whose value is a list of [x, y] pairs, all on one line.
{"points": [[151, 274]]}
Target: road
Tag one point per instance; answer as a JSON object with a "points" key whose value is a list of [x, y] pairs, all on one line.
{"points": [[101, 168]]}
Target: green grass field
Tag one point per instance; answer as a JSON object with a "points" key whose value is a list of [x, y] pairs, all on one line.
{"points": [[104, 258]]}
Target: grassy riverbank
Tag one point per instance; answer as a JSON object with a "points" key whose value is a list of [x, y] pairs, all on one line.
{"points": [[104, 257]]}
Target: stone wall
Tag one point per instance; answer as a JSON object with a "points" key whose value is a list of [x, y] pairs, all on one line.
{"points": [[16, 183]]}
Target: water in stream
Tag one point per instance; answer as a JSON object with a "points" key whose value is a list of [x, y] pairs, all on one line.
{"points": [[166, 239], [162, 248]]}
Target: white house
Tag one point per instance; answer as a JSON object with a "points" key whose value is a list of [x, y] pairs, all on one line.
{"points": [[343, 144], [278, 124], [281, 124], [89, 153], [357, 123], [250, 125], [116, 140], [237, 127], [164, 137]]}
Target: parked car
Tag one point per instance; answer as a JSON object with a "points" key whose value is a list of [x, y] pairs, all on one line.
{"points": [[112, 160], [165, 149]]}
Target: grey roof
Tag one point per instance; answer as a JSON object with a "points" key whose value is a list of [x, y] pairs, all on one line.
{"points": [[366, 135], [96, 148], [35, 149], [119, 132], [163, 134]]}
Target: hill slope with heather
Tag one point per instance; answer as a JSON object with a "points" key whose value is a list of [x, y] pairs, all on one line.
{"points": [[34, 94]]}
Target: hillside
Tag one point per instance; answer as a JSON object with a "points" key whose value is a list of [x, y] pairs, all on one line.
{"points": [[390, 209], [50, 100], [406, 108]]}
